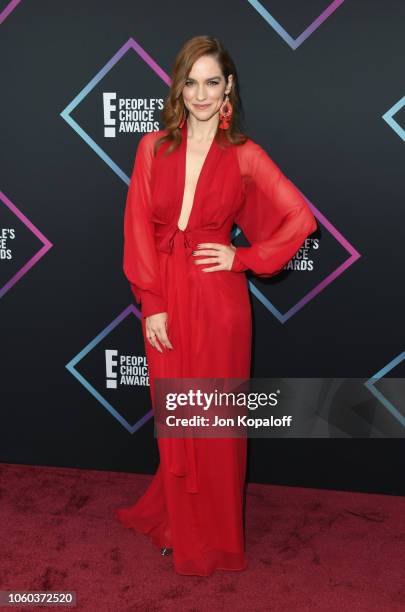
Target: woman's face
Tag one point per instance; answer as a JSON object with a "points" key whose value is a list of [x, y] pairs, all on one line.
{"points": [[204, 89]]}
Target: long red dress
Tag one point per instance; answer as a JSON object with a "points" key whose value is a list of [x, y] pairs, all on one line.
{"points": [[194, 503]]}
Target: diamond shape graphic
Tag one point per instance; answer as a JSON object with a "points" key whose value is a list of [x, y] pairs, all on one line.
{"points": [[294, 43], [353, 256], [35, 258], [389, 118], [71, 366], [370, 384], [131, 44]]}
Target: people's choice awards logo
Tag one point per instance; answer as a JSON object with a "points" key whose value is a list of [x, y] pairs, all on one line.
{"points": [[7, 235], [130, 115], [125, 370], [114, 369], [302, 260]]}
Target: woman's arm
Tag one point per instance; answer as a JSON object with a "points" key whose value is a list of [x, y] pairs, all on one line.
{"points": [[140, 260], [275, 217]]}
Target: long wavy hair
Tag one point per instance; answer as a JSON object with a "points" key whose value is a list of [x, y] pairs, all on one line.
{"points": [[174, 108]]}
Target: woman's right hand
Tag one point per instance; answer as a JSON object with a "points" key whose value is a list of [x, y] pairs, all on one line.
{"points": [[156, 331]]}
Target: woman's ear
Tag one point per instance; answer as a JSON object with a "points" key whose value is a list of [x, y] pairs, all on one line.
{"points": [[229, 83]]}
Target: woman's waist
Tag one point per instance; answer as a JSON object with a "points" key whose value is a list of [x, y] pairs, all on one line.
{"points": [[171, 238]]}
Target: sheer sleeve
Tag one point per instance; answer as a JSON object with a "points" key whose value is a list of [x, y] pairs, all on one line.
{"points": [[140, 260], [274, 216]]}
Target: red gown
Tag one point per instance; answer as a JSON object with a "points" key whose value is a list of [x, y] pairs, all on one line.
{"points": [[194, 503]]}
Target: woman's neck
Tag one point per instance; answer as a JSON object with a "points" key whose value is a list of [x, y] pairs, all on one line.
{"points": [[202, 130]]}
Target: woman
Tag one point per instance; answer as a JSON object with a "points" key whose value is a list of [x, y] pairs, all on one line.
{"points": [[190, 183]]}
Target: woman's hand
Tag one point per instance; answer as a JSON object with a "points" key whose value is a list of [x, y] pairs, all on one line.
{"points": [[221, 254], [156, 331]]}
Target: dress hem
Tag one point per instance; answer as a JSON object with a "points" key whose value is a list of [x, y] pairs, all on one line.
{"points": [[236, 567]]}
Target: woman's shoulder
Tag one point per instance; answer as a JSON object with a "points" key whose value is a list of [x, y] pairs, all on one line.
{"points": [[249, 146], [149, 138], [248, 153], [146, 144]]}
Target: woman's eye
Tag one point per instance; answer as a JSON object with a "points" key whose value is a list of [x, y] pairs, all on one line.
{"points": [[209, 82]]}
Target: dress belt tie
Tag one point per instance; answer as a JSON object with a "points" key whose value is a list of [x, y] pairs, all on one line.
{"points": [[181, 243]]}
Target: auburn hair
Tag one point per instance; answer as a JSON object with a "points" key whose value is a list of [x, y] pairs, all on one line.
{"points": [[174, 108]]}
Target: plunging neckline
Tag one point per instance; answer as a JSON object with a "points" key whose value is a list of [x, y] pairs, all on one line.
{"points": [[184, 174]]}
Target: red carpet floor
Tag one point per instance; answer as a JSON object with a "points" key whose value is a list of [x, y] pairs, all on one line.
{"points": [[307, 549]]}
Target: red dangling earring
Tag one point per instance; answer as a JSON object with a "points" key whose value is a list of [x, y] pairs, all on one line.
{"points": [[225, 114], [183, 119]]}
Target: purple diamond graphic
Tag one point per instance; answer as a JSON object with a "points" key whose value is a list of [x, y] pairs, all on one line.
{"points": [[294, 43], [35, 258]]}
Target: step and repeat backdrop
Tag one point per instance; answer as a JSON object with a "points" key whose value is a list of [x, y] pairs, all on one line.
{"points": [[322, 91]]}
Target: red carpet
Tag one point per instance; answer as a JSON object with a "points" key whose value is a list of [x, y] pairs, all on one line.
{"points": [[307, 549]]}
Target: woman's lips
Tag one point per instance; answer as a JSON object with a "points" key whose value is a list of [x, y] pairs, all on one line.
{"points": [[201, 106]]}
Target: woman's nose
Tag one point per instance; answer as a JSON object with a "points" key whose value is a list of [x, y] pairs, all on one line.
{"points": [[201, 94]]}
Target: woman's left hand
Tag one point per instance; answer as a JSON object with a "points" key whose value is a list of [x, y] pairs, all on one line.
{"points": [[220, 254]]}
